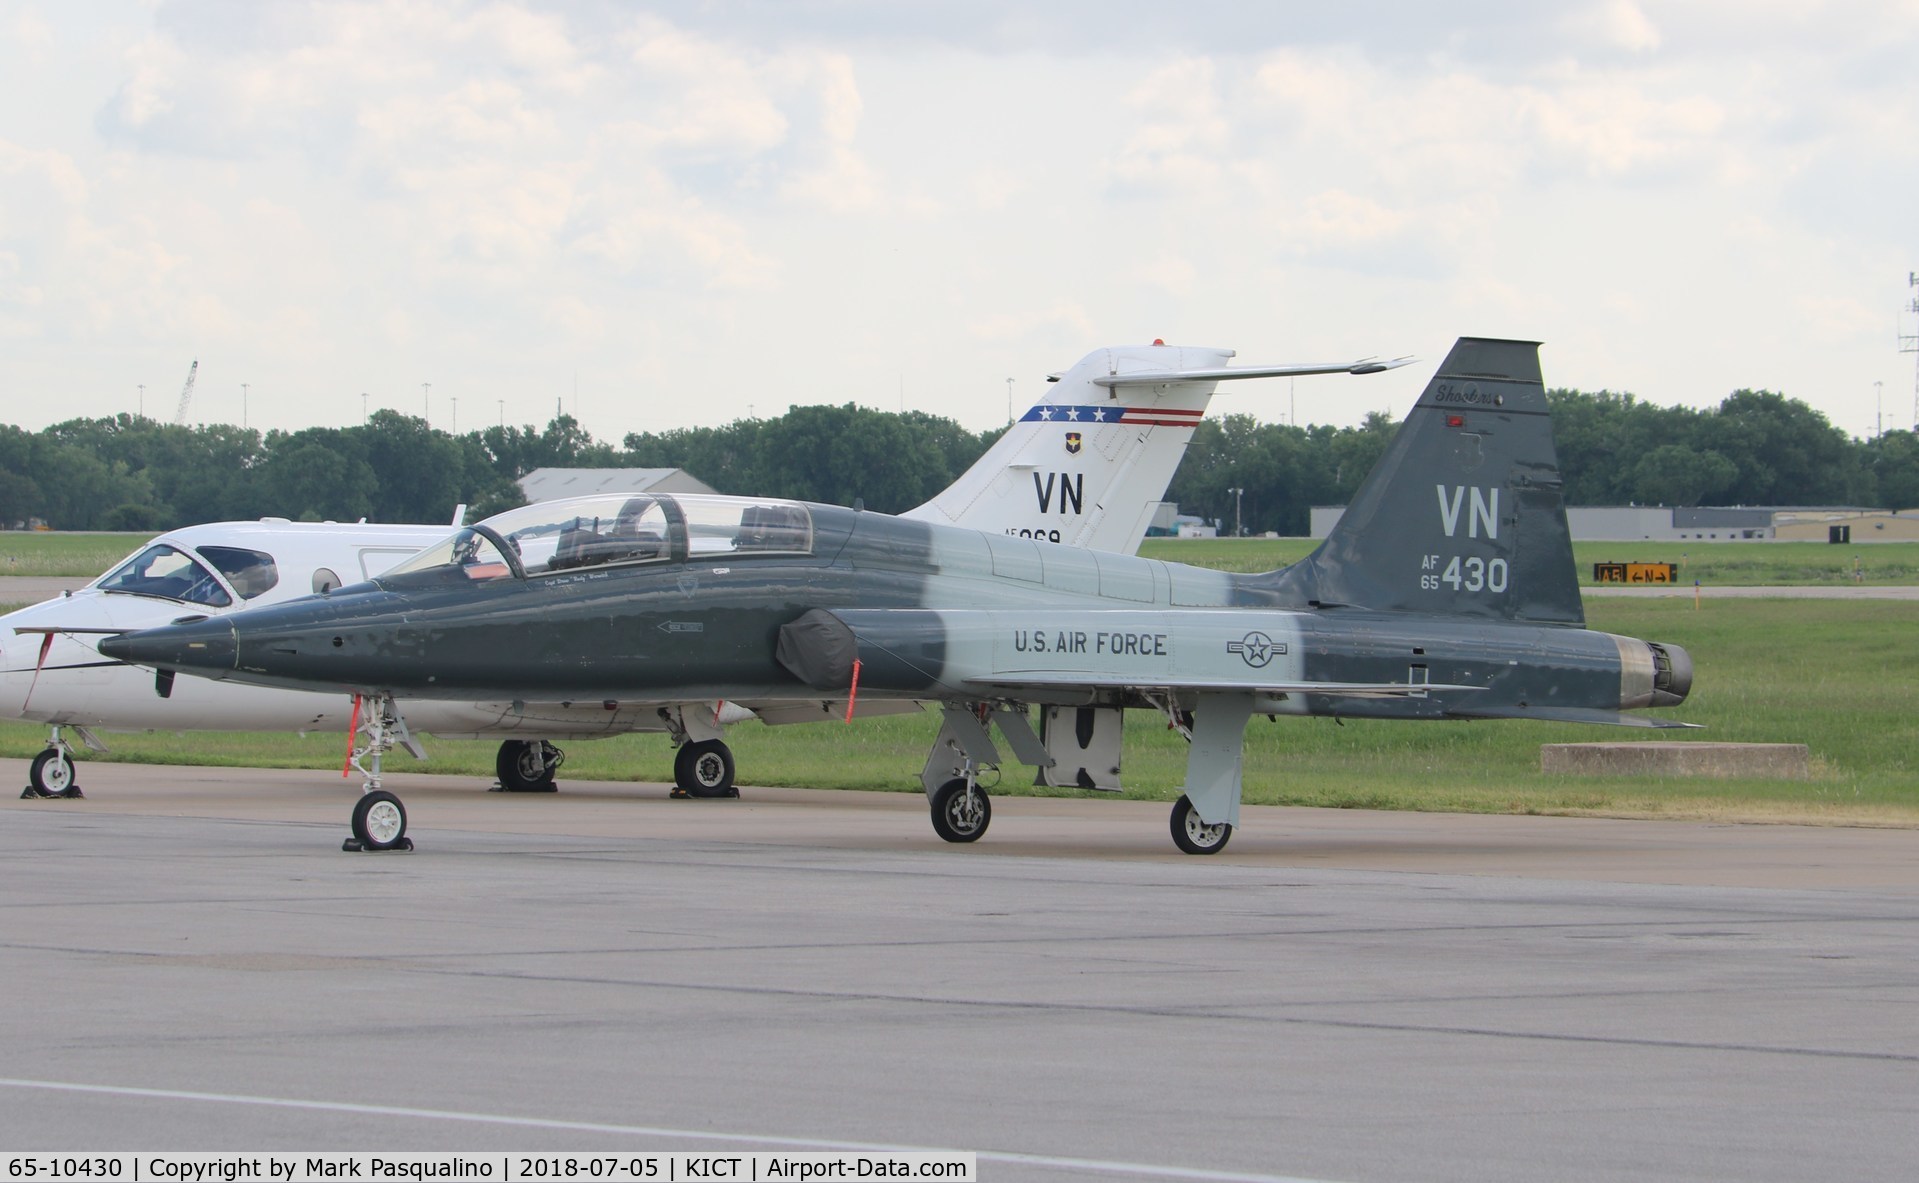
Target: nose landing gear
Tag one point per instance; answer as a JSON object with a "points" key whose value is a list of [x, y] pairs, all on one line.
{"points": [[52, 774], [379, 820]]}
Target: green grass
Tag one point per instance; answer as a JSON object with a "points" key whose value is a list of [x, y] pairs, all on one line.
{"points": [[1715, 564], [1836, 676], [51, 554], [1244, 555]]}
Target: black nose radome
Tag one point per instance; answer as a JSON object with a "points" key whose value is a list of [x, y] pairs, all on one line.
{"points": [[204, 645]]}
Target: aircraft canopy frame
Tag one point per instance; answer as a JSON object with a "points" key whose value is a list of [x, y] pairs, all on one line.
{"points": [[612, 529]]}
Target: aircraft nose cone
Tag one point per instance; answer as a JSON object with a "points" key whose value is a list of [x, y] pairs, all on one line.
{"points": [[202, 646]]}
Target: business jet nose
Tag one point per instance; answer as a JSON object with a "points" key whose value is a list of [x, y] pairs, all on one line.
{"points": [[13, 682], [204, 646]]}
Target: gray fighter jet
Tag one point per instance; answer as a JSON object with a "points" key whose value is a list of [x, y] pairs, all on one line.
{"points": [[1446, 592]]}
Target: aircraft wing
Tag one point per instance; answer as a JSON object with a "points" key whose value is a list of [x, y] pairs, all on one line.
{"points": [[1048, 680], [1570, 715], [1365, 365]]}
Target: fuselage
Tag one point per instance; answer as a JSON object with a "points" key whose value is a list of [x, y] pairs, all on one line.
{"points": [[695, 612], [59, 677]]}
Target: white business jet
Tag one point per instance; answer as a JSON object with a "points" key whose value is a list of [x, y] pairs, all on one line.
{"points": [[1086, 466]]}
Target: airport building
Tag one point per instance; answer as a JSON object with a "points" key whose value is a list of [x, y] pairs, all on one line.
{"points": [[549, 484]]}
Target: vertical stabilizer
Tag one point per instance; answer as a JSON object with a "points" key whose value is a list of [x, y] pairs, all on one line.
{"points": [[1463, 514], [1088, 465]]}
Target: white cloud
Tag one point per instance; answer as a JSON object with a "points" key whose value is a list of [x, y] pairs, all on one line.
{"points": [[362, 193], [1615, 24]]}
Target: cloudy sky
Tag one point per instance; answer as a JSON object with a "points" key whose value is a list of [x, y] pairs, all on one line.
{"points": [[678, 213]]}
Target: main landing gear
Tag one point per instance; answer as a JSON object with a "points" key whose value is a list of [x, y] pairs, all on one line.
{"points": [[1194, 836], [961, 810], [528, 766], [1203, 818], [702, 763], [51, 774], [704, 768], [379, 820]]}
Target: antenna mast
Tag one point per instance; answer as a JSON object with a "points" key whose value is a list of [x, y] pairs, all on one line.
{"points": [[1909, 343], [186, 394]]}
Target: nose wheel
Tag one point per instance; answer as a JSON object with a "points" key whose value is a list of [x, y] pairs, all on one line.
{"points": [[379, 823], [51, 775], [379, 820]]}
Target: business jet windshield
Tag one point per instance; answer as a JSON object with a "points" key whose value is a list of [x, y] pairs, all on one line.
{"points": [[581, 532], [169, 574]]}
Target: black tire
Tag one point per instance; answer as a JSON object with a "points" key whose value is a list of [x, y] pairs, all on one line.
{"points": [[379, 820], [52, 772], [705, 769], [955, 818], [1194, 836], [527, 766]]}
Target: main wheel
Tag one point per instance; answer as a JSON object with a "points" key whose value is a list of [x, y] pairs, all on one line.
{"points": [[379, 820], [705, 769], [52, 772], [959, 816], [527, 766], [1194, 836]]}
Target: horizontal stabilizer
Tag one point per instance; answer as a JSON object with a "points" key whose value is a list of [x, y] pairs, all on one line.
{"points": [[1368, 365], [64, 630]]}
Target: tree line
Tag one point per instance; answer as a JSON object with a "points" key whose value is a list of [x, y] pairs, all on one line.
{"points": [[1755, 448], [132, 473]]}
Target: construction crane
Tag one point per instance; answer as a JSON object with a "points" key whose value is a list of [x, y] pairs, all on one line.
{"points": [[186, 394]]}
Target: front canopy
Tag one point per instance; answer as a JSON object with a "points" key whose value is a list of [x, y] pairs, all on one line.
{"points": [[607, 529]]}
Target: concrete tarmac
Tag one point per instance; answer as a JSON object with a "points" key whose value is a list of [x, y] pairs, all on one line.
{"points": [[31, 589], [1342, 995]]}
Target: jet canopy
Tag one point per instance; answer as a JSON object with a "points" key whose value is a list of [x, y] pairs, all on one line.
{"points": [[555, 537]]}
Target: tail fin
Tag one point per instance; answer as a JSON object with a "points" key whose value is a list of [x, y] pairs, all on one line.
{"points": [[1089, 464], [1463, 514]]}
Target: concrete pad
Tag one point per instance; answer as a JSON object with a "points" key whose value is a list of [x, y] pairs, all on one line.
{"points": [[192, 963], [1768, 761]]}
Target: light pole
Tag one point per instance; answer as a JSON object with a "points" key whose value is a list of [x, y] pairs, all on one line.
{"points": [[243, 406], [1239, 529], [1879, 408], [502, 414], [1009, 402], [143, 400], [456, 414], [426, 408]]}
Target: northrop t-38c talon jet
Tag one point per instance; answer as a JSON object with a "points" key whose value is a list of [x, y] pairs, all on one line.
{"points": [[1087, 466], [1447, 591]]}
